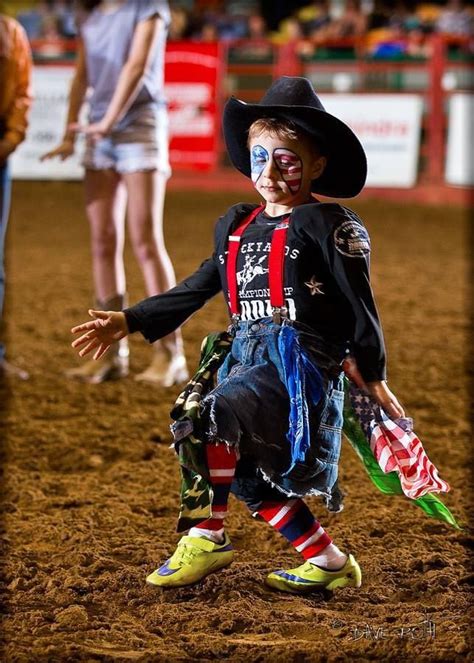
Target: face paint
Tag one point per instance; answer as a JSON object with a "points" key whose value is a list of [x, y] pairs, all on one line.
{"points": [[290, 166], [258, 161]]}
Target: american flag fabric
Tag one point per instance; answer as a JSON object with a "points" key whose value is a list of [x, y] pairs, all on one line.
{"points": [[396, 448]]}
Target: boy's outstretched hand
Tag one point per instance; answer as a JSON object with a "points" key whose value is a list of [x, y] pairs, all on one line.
{"points": [[99, 334]]}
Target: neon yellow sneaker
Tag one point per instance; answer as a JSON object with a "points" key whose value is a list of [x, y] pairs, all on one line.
{"points": [[309, 578], [193, 559]]}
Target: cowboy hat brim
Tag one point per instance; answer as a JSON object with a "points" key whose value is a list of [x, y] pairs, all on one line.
{"points": [[346, 170]]}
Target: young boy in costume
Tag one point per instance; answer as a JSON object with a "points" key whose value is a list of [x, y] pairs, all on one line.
{"points": [[295, 274]]}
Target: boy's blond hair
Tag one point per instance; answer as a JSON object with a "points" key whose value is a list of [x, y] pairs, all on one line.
{"points": [[283, 129]]}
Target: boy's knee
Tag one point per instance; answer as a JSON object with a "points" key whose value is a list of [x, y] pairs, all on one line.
{"points": [[253, 491]]}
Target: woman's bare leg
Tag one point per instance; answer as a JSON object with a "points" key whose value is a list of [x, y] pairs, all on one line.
{"points": [[105, 207], [146, 194]]}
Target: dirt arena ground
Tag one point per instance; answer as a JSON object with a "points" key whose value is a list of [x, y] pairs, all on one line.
{"points": [[90, 486]]}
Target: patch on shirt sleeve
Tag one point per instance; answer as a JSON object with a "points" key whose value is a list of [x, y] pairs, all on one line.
{"points": [[352, 239]]}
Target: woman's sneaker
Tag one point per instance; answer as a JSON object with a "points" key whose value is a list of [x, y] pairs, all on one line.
{"points": [[309, 578], [193, 559]]}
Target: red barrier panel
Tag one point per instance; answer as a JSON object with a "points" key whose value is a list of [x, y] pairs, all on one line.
{"points": [[193, 75]]}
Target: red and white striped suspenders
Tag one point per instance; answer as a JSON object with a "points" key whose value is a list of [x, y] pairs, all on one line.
{"points": [[276, 263]]}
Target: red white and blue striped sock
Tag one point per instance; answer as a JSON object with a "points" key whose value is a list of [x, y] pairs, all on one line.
{"points": [[296, 523], [221, 462]]}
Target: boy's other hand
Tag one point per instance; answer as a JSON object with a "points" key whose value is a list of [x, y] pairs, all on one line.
{"points": [[386, 399], [99, 334]]}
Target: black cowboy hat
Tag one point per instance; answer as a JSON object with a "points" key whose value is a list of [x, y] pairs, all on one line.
{"points": [[293, 98]]}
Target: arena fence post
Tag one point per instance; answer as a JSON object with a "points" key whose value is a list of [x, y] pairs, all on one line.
{"points": [[287, 61], [436, 112]]}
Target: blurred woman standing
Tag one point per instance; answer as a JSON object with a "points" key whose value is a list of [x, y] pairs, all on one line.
{"points": [[121, 58]]}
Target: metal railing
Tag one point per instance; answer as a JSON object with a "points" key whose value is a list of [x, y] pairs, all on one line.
{"points": [[339, 66]]}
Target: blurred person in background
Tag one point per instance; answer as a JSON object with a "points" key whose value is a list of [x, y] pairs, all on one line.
{"points": [[180, 24], [314, 17], [256, 26], [66, 18], [30, 18], [379, 16], [397, 32], [121, 57], [275, 11], [351, 23], [50, 27], [456, 19], [290, 30], [15, 101], [208, 33], [40, 19]]}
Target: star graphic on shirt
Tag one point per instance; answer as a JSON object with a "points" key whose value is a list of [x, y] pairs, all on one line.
{"points": [[314, 286]]}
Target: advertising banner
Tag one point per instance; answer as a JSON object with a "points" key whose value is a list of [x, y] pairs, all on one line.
{"points": [[389, 127], [192, 75], [459, 154], [192, 86], [46, 128]]}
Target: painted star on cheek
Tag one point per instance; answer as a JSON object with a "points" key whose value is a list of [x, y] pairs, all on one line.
{"points": [[314, 286], [258, 161], [290, 166]]}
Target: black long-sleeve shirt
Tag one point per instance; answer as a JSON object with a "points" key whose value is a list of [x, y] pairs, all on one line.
{"points": [[326, 281]]}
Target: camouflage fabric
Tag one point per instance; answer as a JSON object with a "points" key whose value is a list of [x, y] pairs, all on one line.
{"points": [[196, 491]]}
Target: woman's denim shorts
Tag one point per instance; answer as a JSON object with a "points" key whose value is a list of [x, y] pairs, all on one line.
{"points": [[142, 145], [249, 408]]}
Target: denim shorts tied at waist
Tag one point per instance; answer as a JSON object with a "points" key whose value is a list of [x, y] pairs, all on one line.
{"points": [[141, 146], [249, 408]]}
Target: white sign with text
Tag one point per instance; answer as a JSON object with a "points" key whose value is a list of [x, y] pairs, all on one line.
{"points": [[389, 127]]}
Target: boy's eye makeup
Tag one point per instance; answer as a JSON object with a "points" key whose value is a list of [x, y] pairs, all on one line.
{"points": [[258, 160], [290, 166]]}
